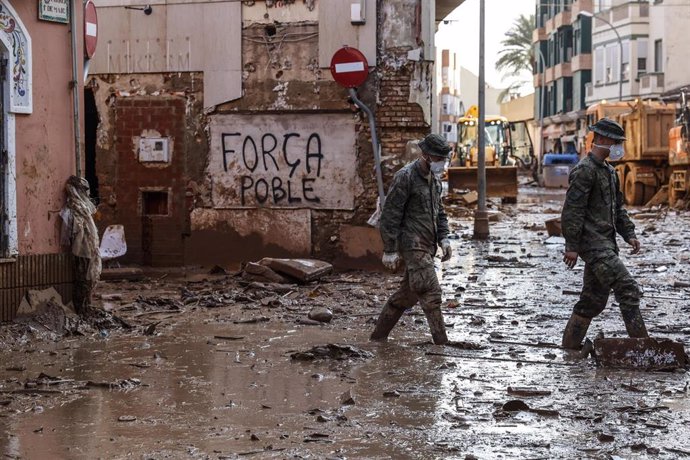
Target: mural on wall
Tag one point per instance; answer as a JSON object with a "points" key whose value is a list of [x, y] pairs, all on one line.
{"points": [[18, 43], [298, 161]]}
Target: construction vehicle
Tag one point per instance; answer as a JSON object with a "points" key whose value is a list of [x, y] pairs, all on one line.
{"points": [[506, 144], [679, 154], [644, 168]]}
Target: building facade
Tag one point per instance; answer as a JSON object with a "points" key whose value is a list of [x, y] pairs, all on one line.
{"points": [[448, 106], [653, 60], [218, 134], [618, 66], [563, 47], [38, 136]]}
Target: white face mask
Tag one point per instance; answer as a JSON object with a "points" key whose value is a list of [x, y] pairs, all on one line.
{"points": [[616, 151], [437, 167]]}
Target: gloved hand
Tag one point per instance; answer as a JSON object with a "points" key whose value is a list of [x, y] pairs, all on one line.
{"points": [[447, 251], [390, 260]]}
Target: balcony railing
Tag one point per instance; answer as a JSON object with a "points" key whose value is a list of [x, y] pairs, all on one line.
{"points": [[581, 62], [652, 83], [562, 70]]}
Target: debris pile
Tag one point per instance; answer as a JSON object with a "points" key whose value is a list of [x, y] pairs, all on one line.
{"points": [[286, 271]]}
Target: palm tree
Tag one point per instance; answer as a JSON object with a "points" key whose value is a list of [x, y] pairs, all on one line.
{"points": [[517, 54]]}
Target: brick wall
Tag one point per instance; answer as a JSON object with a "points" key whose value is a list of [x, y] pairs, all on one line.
{"points": [[399, 120], [151, 240]]}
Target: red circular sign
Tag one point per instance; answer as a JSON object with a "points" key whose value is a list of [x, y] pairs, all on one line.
{"points": [[349, 67], [90, 29]]}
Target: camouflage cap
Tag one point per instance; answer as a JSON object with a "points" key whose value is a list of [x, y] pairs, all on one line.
{"points": [[608, 128], [436, 145]]}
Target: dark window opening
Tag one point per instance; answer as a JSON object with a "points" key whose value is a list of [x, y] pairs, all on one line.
{"points": [[90, 132], [155, 203]]}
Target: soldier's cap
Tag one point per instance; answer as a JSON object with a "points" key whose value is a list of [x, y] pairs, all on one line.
{"points": [[608, 128], [435, 145]]}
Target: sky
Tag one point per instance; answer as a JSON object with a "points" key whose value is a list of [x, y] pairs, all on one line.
{"points": [[461, 34]]}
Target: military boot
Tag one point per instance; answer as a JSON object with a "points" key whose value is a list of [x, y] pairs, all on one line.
{"points": [[575, 331], [634, 323], [387, 320], [437, 325]]}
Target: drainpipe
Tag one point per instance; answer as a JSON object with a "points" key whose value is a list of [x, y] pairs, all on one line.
{"points": [[75, 84], [374, 143]]}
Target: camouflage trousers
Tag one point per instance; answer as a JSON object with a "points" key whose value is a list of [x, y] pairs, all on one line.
{"points": [[419, 284], [604, 271]]}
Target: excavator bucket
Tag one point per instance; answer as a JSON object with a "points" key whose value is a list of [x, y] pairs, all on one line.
{"points": [[501, 181]]}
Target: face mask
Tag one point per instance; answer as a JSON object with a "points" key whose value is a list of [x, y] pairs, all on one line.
{"points": [[437, 167], [616, 151]]}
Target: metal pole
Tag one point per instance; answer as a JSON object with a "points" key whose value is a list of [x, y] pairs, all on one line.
{"points": [[541, 111], [374, 143], [481, 218], [75, 85]]}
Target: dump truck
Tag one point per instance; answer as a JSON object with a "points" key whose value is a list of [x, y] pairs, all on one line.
{"points": [[679, 154], [644, 168], [506, 144]]}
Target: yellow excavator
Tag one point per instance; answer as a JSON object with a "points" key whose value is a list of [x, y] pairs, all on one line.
{"points": [[506, 144]]}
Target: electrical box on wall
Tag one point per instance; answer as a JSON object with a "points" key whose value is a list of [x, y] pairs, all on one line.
{"points": [[358, 12], [154, 150]]}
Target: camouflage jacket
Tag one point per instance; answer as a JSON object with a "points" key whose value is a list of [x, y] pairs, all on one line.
{"points": [[413, 217], [593, 211]]}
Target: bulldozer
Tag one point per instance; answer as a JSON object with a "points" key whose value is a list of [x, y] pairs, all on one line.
{"points": [[644, 168], [506, 144], [679, 154]]}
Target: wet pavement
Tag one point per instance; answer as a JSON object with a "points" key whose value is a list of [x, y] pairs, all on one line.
{"points": [[207, 372]]}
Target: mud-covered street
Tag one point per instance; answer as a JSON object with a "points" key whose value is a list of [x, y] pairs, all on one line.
{"points": [[217, 367]]}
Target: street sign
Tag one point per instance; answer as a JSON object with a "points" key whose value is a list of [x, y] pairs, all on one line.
{"points": [[90, 29], [54, 11], [349, 67]]}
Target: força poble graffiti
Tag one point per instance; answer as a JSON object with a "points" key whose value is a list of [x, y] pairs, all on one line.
{"points": [[261, 153], [283, 161]]}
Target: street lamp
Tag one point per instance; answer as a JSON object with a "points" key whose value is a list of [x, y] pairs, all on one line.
{"points": [[587, 14]]}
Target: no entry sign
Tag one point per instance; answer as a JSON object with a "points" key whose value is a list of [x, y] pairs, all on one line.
{"points": [[349, 67], [90, 29]]}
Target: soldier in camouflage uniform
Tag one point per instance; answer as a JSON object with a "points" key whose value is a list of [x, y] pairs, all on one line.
{"points": [[592, 215], [413, 224]]}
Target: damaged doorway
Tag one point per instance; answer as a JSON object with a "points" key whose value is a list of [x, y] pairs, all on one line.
{"points": [[91, 121]]}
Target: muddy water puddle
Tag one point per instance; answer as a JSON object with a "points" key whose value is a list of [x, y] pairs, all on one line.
{"points": [[205, 387]]}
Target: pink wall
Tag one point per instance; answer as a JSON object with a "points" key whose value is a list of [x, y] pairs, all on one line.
{"points": [[45, 138]]}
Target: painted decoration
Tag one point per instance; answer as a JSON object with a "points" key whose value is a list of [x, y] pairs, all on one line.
{"points": [[14, 37]]}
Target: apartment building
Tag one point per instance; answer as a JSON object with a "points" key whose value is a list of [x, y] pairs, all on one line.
{"points": [[651, 59], [619, 64], [563, 47]]}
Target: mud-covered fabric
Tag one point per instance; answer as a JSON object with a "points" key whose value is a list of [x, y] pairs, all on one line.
{"points": [[605, 271], [413, 218], [419, 283], [593, 211]]}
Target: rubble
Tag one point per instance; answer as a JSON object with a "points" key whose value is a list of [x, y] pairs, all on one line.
{"points": [[332, 351], [224, 347], [646, 354], [303, 270], [553, 227]]}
